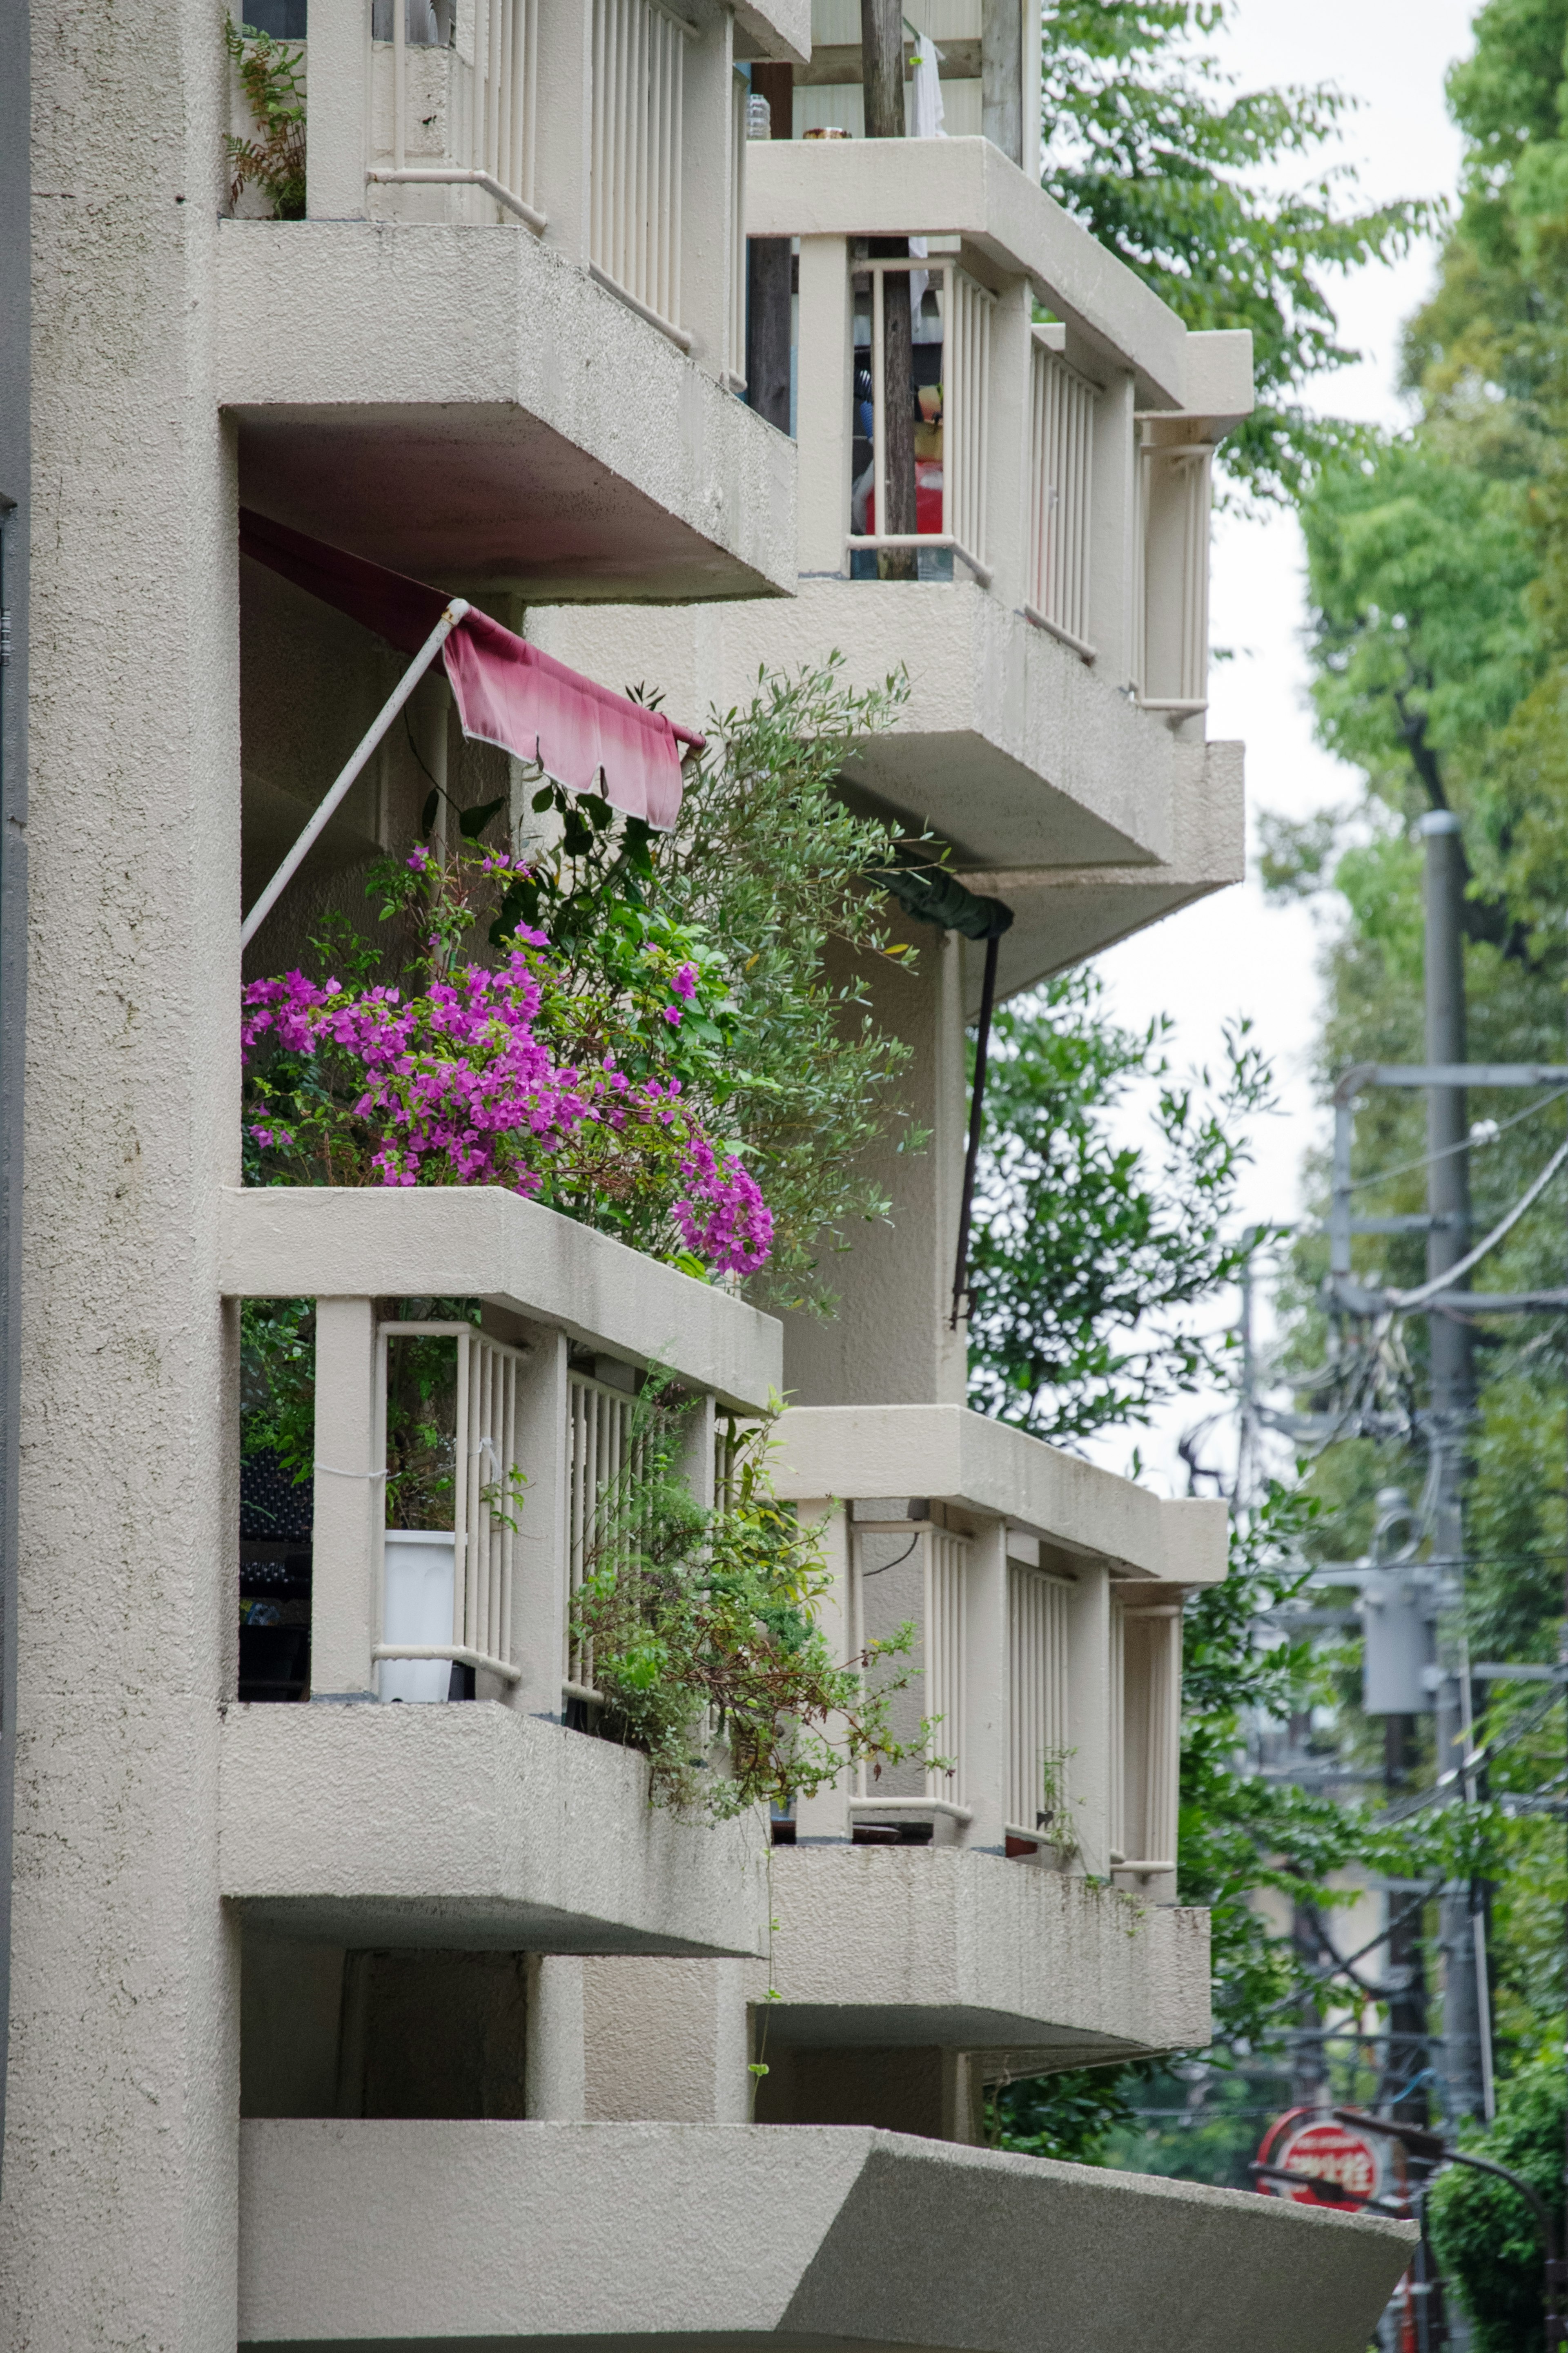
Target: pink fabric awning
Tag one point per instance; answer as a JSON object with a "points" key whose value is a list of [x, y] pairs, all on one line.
{"points": [[506, 691]]}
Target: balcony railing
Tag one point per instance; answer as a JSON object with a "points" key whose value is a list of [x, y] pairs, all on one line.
{"points": [[1062, 467], [615, 134]]}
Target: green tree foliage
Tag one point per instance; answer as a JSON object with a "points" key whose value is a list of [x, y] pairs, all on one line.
{"points": [[1486, 2235], [1089, 1250], [1148, 143]]}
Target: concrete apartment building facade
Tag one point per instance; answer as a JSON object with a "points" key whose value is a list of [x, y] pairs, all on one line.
{"points": [[341, 2023]]}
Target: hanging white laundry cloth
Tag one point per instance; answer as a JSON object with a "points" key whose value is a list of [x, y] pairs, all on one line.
{"points": [[928, 113]]}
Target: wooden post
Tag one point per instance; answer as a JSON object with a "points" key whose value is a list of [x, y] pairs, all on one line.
{"points": [[882, 72], [769, 271]]}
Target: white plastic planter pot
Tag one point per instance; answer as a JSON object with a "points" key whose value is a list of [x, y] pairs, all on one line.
{"points": [[417, 1610]]}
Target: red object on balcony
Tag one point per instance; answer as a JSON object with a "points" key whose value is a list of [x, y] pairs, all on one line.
{"points": [[506, 691], [928, 500]]}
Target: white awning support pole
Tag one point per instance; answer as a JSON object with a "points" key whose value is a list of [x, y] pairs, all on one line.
{"points": [[382, 721]]}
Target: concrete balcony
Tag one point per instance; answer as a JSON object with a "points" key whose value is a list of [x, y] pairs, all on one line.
{"points": [[534, 337], [934, 1948], [545, 1396], [501, 2234], [1046, 1596], [469, 1829]]}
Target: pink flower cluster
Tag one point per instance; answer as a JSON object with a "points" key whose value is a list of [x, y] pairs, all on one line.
{"points": [[722, 1215], [458, 1087]]}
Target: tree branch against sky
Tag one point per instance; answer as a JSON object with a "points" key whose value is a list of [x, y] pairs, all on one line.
{"points": [[1199, 187]]}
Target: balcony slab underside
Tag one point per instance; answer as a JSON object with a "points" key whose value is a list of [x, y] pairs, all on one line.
{"points": [[462, 403], [1065, 914], [945, 1451], [1014, 750], [455, 1241], [470, 1827], [496, 2234], [890, 1947]]}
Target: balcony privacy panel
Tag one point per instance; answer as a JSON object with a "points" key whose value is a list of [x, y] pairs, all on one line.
{"points": [[634, 212], [1038, 1715], [1173, 610], [599, 1450], [1146, 1689], [483, 1463], [1061, 476], [946, 1559]]}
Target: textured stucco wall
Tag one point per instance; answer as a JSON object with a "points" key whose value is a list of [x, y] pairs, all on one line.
{"points": [[1007, 743], [119, 2218], [472, 1826], [386, 2232]]}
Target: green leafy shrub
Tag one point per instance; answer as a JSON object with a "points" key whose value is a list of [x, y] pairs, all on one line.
{"points": [[702, 1630], [1485, 2233]]}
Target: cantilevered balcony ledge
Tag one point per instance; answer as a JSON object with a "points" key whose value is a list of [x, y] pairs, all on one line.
{"points": [[967, 188], [463, 404], [882, 1947], [471, 1827], [445, 1241], [493, 2235], [851, 1453], [1018, 754]]}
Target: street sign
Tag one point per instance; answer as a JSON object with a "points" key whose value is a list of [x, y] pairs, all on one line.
{"points": [[1343, 2164]]}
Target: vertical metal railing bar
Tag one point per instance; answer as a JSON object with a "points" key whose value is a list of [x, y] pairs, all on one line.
{"points": [[462, 1562], [399, 84], [1118, 1806]]}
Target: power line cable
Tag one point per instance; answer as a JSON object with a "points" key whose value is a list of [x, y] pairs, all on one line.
{"points": [[1470, 1143]]}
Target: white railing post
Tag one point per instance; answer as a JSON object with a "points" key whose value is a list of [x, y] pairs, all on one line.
{"points": [[1115, 572], [338, 131], [539, 1578], [825, 1815], [348, 1505], [707, 193], [824, 399], [1005, 490], [985, 1685], [946, 1562], [564, 125], [1090, 1714]]}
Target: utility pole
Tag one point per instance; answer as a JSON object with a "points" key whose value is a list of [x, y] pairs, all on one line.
{"points": [[882, 74], [1452, 1398]]}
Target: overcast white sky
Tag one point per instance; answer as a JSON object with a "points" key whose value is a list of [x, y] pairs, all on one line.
{"points": [[1233, 955]]}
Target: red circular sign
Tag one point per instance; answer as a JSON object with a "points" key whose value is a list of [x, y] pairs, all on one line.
{"points": [[1342, 2161]]}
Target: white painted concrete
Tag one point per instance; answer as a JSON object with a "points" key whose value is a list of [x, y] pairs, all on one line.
{"points": [[542, 437], [387, 2233], [470, 1826], [945, 1451], [449, 1240], [884, 1946]]}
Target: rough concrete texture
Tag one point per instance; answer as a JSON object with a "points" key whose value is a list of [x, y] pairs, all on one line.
{"points": [[966, 187], [1014, 750], [118, 2217], [449, 1242], [882, 1945], [1064, 913], [501, 2234], [665, 2041], [774, 29], [472, 1826], [542, 437], [945, 1451]]}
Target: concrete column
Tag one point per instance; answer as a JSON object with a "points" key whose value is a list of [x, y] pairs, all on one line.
{"points": [[823, 427], [697, 1452], [564, 127], [556, 2082], [891, 1342], [707, 215], [1090, 1712], [1114, 587], [340, 109], [350, 1503], [666, 2042], [985, 1726], [120, 2184], [826, 1816], [1007, 483]]}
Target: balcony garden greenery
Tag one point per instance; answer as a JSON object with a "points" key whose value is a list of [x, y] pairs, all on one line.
{"points": [[703, 1633], [272, 76]]}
